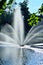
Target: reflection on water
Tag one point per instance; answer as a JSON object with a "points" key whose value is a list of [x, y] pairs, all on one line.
{"points": [[7, 61], [33, 58], [23, 57]]}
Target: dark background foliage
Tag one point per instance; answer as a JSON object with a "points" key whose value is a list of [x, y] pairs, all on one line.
{"points": [[30, 19]]}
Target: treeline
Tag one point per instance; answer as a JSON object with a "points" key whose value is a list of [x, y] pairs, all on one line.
{"points": [[29, 19]]}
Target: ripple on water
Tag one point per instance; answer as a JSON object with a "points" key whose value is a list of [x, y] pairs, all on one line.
{"points": [[29, 57]]}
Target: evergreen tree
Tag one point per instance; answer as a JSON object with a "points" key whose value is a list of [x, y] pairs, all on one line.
{"points": [[26, 14], [40, 11]]}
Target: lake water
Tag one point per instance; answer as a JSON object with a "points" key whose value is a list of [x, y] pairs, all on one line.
{"points": [[16, 56]]}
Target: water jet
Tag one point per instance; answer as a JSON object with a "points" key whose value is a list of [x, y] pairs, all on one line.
{"points": [[13, 43]]}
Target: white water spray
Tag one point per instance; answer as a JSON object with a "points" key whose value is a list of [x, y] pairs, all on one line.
{"points": [[13, 37], [19, 25]]}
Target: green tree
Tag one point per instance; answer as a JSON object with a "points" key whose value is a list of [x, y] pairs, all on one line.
{"points": [[40, 11], [33, 20], [4, 4]]}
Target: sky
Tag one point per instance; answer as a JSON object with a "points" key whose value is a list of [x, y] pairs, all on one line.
{"points": [[33, 5]]}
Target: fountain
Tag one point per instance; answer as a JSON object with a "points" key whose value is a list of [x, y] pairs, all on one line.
{"points": [[13, 42]]}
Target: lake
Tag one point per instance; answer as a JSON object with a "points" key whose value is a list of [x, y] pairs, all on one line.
{"points": [[18, 56]]}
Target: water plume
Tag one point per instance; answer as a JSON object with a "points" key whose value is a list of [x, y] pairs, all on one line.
{"points": [[12, 41]]}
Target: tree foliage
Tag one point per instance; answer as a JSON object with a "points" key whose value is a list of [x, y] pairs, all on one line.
{"points": [[4, 4], [29, 19], [25, 9], [33, 20], [40, 11]]}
